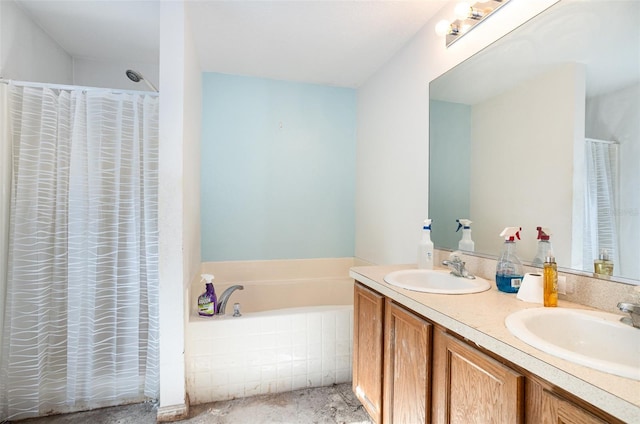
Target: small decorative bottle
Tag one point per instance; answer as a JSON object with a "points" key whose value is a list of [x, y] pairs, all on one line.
{"points": [[550, 281], [602, 265]]}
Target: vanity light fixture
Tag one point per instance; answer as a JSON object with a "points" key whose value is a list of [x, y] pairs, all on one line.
{"points": [[468, 16]]}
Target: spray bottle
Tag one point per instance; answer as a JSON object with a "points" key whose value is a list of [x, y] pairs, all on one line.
{"points": [[465, 242], [425, 247], [544, 246], [207, 301], [509, 271]]}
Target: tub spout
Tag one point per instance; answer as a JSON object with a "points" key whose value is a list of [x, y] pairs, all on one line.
{"points": [[224, 298]]}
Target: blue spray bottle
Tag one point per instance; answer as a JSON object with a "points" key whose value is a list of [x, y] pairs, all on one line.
{"points": [[509, 271]]}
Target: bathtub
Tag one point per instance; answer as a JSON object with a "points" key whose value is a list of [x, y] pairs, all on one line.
{"points": [[296, 330]]}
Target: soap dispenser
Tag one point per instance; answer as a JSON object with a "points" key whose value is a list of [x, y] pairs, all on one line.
{"points": [[509, 270], [544, 246], [465, 243], [603, 265], [425, 247], [550, 281]]}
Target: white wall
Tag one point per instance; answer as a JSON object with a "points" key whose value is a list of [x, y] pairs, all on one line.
{"points": [[192, 116], [179, 242], [27, 53], [539, 113], [393, 131], [96, 73]]}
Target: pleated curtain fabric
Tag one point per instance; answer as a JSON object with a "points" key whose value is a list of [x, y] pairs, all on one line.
{"points": [[81, 308], [601, 200]]}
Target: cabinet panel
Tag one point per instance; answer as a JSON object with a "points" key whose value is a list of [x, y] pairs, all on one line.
{"points": [[559, 411], [407, 365], [368, 315], [471, 387]]}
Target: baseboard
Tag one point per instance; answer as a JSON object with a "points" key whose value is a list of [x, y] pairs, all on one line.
{"points": [[173, 413]]}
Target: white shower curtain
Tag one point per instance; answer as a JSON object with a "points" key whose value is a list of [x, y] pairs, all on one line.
{"points": [[5, 194], [81, 309], [601, 201]]}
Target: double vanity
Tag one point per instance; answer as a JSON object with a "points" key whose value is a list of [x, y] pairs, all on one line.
{"points": [[462, 352]]}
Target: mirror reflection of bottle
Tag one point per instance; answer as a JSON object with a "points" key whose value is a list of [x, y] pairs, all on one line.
{"points": [[603, 265]]}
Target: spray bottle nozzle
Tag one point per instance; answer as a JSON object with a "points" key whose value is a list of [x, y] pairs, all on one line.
{"points": [[543, 233], [207, 278], [463, 223], [427, 224], [510, 233]]}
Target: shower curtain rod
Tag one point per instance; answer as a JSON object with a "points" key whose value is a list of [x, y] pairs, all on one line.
{"points": [[595, 140], [73, 87]]}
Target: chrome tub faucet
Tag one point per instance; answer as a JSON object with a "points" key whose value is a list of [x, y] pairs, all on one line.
{"points": [[224, 298]]}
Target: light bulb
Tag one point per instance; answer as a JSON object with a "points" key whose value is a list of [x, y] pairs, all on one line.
{"points": [[464, 28], [463, 10], [443, 28]]}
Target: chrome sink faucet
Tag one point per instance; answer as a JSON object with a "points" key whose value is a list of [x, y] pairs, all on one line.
{"points": [[457, 266], [224, 298], [634, 313]]}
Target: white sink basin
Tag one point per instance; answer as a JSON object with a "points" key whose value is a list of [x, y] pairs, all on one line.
{"points": [[435, 281], [591, 338]]}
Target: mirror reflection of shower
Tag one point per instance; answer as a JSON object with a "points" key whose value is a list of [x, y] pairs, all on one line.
{"points": [[136, 76]]}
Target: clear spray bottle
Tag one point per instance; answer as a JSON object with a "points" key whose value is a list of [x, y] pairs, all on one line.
{"points": [[425, 247], [465, 243], [544, 246]]}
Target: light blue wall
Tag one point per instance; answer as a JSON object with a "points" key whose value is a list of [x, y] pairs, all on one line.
{"points": [[449, 172], [278, 169]]}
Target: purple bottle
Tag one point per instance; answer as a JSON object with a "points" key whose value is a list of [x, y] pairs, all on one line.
{"points": [[207, 301]]}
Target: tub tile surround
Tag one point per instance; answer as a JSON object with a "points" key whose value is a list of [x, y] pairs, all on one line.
{"points": [[480, 318], [267, 352]]}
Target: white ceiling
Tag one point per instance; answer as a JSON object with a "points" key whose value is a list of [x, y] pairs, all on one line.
{"points": [[115, 30], [333, 42]]}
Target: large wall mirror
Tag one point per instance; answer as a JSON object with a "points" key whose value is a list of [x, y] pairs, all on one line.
{"points": [[542, 128]]}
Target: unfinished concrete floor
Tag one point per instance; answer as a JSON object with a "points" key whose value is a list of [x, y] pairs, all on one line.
{"points": [[323, 405]]}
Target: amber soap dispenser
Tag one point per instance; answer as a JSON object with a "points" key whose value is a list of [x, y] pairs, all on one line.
{"points": [[550, 281]]}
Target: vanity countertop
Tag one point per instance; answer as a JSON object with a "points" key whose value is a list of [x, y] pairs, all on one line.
{"points": [[480, 318]]}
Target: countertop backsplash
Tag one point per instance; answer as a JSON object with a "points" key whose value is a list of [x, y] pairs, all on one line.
{"points": [[594, 292]]}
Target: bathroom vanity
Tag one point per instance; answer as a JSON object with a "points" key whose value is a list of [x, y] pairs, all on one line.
{"points": [[433, 358]]}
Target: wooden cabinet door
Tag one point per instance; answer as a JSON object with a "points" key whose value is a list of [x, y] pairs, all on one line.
{"points": [[556, 410], [407, 367], [368, 310], [471, 387]]}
